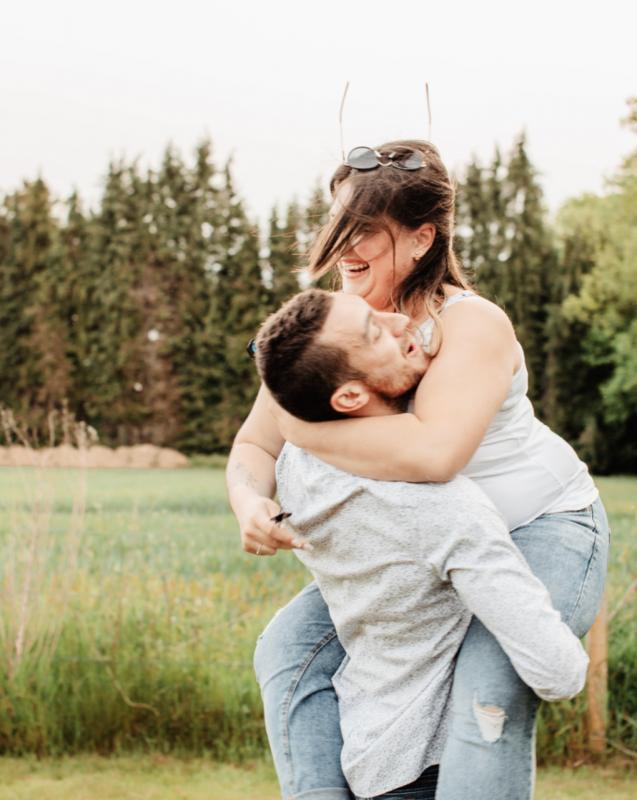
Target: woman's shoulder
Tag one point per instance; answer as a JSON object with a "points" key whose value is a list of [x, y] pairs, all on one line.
{"points": [[467, 317], [467, 305]]}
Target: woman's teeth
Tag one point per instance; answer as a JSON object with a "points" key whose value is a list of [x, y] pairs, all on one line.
{"points": [[353, 270]]}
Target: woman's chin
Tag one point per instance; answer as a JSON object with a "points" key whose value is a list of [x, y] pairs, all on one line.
{"points": [[369, 293], [360, 286]]}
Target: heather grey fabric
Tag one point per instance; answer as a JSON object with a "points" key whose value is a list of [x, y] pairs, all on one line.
{"points": [[401, 567]]}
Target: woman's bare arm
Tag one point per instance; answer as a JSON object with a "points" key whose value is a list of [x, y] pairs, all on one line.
{"points": [[464, 387], [251, 482]]}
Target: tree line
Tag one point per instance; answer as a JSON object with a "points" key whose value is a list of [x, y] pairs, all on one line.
{"points": [[135, 315]]}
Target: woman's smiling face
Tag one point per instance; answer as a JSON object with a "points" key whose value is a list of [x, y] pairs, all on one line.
{"points": [[375, 265]]}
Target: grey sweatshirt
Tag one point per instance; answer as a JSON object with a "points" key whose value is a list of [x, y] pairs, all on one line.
{"points": [[402, 567]]}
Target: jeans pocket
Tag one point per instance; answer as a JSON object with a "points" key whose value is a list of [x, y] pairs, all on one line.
{"points": [[592, 589]]}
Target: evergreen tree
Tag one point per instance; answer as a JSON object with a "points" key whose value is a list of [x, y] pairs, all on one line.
{"points": [[316, 215], [113, 323], [197, 340], [240, 305], [285, 254], [531, 264], [473, 226], [481, 223], [29, 237], [507, 246], [51, 338]]}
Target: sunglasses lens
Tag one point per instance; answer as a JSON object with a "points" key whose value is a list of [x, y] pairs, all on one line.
{"points": [[362, 158], [409, 161], [251, 348]]}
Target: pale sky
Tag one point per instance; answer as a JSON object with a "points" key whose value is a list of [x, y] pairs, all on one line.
{"points": [[81, 82]]}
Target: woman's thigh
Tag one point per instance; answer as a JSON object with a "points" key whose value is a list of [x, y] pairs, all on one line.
{"points": [[568, 552], [490, 747]]}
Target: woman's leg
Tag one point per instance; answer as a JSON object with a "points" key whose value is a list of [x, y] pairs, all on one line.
{"points": [[295, 659], [490, 750]]}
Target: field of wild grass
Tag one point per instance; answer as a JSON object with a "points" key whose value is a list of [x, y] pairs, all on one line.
{"points": [[128, 615], [160, 777]]}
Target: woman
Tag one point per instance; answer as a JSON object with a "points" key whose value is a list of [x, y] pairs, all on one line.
{"points": [[390, 237]]}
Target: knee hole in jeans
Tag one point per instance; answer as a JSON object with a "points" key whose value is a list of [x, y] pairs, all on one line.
{"points": [[490, 720]]}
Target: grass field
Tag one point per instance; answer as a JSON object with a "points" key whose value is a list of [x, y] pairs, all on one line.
{"points": [[128, 615], [165, 778]]}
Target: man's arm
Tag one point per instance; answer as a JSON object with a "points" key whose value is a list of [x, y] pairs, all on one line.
{"points": [[495, 583], [250, 478]]}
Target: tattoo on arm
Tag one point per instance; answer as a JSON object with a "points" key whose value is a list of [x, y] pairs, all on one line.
{"points": [[245, 477]]}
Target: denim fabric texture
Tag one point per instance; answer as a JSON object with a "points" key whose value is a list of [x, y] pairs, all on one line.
{"points": [[489, 754]]}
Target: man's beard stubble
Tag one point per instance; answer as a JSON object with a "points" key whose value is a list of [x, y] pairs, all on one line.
{"points": [[400, 404]]}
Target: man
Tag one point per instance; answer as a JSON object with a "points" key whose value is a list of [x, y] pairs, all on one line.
{"points": [[401, 566]]}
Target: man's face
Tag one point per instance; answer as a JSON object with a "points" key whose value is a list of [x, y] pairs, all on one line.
{"points": [[378, 344]]}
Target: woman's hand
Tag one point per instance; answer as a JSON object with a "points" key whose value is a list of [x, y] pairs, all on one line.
{"points": [[260, 533]]}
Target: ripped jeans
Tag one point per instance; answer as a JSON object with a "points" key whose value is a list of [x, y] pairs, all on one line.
{"points": [[490, 753]]}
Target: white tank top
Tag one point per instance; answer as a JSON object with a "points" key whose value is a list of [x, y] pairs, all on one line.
{"points": [[525, 468]]}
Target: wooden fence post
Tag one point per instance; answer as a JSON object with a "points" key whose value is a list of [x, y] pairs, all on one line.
{"points": [[597, 683]]}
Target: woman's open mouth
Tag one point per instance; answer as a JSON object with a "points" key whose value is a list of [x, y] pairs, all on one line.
{"points": [[354, 270]]}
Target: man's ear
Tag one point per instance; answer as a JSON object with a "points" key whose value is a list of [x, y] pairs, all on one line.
{"points": [[350, 397]]}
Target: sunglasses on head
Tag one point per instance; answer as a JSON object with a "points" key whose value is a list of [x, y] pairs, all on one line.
{"points": [[365, 158]]}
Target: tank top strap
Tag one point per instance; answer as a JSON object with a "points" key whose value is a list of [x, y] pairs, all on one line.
{"points": [[456, 298], [427, 327]]}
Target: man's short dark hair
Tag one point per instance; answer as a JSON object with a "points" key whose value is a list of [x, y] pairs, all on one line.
{"points": [[301, 372]]}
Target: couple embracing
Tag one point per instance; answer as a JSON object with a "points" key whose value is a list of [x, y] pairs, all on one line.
{"points": [[458, 545]]}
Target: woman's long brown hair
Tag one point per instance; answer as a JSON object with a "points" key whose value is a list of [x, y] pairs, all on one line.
{"points": [[409, 198]]}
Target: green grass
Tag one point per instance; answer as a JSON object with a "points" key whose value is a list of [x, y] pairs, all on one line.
{"points": [[153, 646], [153, 777], [158, 777], [144, 641]]}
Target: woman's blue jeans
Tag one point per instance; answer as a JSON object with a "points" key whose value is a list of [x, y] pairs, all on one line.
{"points": [[489, 754]]}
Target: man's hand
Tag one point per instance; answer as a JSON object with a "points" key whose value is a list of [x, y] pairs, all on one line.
{"points": [[261, 535]]}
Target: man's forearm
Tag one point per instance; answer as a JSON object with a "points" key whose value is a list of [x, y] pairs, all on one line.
{"points": [[515, 606]]}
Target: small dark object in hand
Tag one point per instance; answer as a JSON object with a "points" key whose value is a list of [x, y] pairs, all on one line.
{"points": [[280, 517]]}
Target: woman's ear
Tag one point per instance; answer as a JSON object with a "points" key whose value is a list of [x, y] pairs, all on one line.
{"points": [[423, 239], [350, 397]]}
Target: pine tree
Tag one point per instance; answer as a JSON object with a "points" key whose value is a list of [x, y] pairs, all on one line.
{"points": [[507, 246], [240, 304], [113, 322], [530, 263], [29, 240], [284, 247], [197, 338], [316, 215], [51, 338], [481, 222], [473, 221]]}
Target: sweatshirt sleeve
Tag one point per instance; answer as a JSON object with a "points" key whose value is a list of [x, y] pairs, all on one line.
{"points": [[495, 583]]}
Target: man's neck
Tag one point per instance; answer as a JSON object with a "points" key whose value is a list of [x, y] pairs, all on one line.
{"points": [[381, 406]]}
